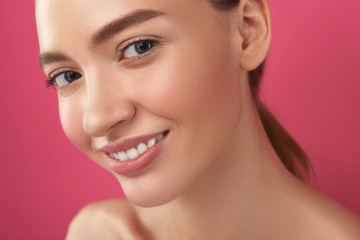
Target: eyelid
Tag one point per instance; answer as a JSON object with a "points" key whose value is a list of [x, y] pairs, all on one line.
{"points": [[125, 44], [57, 72]]}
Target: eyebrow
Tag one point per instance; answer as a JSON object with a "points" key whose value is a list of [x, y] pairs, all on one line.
{"points": [[120, 24], [105, 33], [50, 57]]}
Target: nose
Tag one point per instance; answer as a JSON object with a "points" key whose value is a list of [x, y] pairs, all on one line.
{"points": [[105, 107]]}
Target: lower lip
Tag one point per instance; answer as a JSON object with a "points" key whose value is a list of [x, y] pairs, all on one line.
{"points": [[137, 164]]}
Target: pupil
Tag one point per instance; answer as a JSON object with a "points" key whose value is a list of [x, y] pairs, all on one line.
{"points": [[72, 76], [143, 47]]}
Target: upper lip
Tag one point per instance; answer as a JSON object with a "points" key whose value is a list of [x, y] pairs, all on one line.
{"points": [[127, 143]]}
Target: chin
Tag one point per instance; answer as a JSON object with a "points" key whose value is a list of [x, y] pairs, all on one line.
{"points": [[146, 196]]}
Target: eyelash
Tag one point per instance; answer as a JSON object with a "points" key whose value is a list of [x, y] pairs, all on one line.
{"points": [[50, 83]]}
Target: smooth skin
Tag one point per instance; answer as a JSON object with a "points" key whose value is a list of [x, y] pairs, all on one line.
{"points": [[217, 176]]}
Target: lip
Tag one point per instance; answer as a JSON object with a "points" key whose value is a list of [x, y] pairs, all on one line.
{"points": [[134, 165]]}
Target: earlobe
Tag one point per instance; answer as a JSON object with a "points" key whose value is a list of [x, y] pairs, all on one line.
{"points": [[254, 28]]}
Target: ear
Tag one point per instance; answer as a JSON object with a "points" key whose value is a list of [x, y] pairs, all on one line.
{"points": [[254, 30]]}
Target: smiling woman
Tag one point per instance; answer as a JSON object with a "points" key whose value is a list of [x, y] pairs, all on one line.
{"points": [[163, 95]]}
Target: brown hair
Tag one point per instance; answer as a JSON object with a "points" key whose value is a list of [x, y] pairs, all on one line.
{"points": [[288, 150]]}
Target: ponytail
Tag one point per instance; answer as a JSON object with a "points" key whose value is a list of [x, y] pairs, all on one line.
{"points": [[287, 149]]}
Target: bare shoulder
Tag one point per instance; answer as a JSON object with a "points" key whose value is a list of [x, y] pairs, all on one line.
{"points": [[344, 223], [109, 219], [334, 221]]}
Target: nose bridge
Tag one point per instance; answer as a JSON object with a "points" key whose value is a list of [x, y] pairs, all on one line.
{"points": [[105, 106]]}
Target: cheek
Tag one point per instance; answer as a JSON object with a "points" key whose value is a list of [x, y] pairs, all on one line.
{"points": [[71, 117], [197, 85], [71, 122]]}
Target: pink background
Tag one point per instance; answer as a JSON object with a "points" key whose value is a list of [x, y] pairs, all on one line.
{"points": [[311, 84]]}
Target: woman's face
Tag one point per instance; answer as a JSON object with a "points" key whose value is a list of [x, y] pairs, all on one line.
{"points": [[174, 70]]}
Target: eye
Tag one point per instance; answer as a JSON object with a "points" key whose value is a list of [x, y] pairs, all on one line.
{"points": [[138, 48], [65, 78]]}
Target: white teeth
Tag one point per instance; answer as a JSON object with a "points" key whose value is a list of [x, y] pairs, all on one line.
{"points": [[159, 137], [141, 148], [135, 152], [123, 156], [132, 153], [151, 142]]}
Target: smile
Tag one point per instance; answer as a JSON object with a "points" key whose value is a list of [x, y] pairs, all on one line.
{"points": [[134, 151], [131, 155]]}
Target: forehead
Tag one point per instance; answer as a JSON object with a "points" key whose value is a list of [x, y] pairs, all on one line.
{"points": [[74, 20]]}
